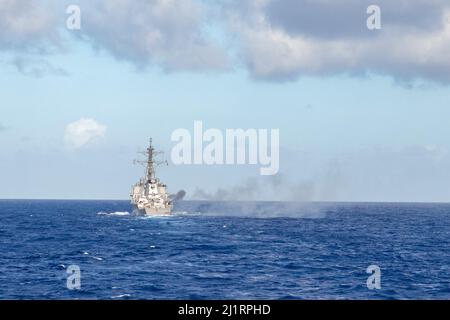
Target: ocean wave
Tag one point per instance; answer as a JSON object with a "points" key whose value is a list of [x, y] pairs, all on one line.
{"points": [[121, 296], [143, 217], [117, 213], [281, 258]]}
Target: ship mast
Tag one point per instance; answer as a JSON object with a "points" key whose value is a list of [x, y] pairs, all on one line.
{"points": [[150, 163]]}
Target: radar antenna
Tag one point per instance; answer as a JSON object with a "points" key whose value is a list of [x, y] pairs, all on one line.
{"points": [[150, 162]]}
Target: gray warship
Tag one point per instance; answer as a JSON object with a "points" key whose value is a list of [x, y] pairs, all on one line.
{"points": [[149, 196]]}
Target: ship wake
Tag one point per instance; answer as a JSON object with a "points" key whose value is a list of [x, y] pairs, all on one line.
{"points": [[117, 213]]}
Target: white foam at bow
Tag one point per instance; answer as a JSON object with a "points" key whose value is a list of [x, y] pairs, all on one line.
{"points": [[117, 213]]}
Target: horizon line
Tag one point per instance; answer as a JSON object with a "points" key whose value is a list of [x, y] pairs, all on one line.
{"points": [[231, 201]]}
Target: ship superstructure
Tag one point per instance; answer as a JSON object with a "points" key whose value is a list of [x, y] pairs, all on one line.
{"points": [[149, 195]]}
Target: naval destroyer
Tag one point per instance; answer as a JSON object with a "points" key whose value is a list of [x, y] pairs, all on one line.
{"points": [[149, 196]]}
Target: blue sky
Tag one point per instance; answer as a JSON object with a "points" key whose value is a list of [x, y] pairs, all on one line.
{"points": [[361, 131]]}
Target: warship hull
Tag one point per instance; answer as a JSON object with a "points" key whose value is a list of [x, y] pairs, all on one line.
{"points": [[150, 211]]}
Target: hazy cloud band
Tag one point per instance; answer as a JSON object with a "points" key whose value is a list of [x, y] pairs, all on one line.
{"points": [[274, 40]]}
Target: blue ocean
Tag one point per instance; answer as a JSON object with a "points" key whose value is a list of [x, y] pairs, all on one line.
{"points": [[221, 250]]}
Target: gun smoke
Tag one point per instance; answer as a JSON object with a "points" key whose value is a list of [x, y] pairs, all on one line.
{"points": [[178, 196]]}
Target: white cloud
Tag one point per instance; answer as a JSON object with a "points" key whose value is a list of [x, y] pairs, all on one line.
{"points": [[276, 40], [27, 25], [83, 132], [277, 47], [166, 33], [29, 33]]}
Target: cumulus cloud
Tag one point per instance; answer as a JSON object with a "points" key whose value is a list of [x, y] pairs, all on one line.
{"points": [[29, 33], [83, 132], [168, 33], [285, 39], [28, 25], [329, 19]]}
